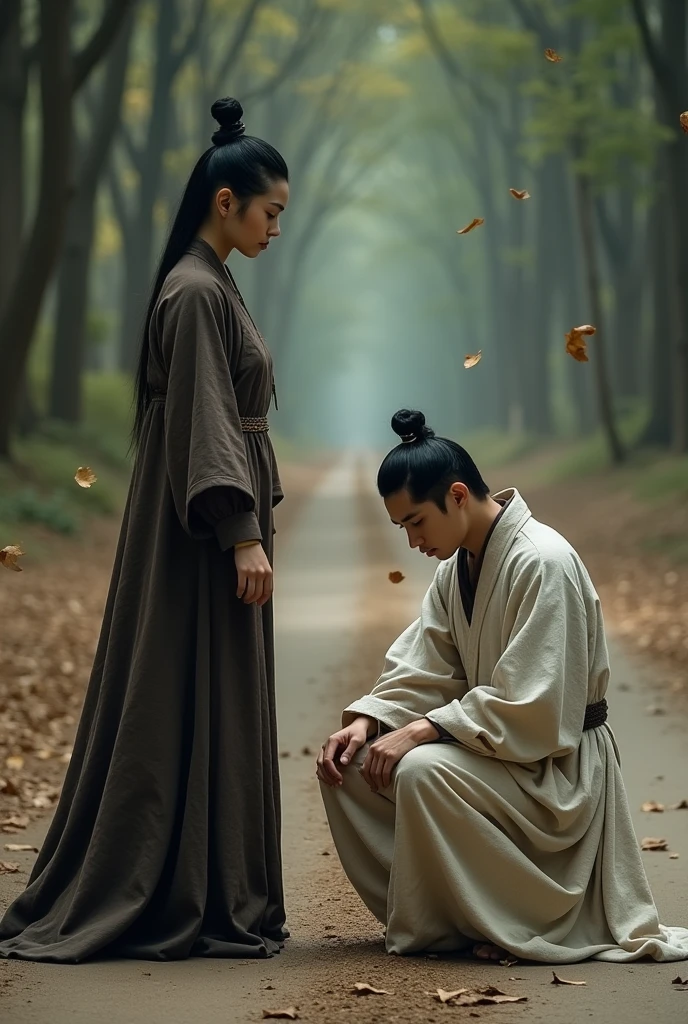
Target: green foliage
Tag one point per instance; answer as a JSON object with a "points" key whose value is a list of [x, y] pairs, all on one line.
{"points": [[27, 506]]}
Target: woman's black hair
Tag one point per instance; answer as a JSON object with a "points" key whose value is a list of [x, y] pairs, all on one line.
{"points": [[246, 165], [425, 465]]}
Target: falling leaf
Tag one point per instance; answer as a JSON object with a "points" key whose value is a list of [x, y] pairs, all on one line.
{"points": [[20, 848], [673, 856], [361, 988], [475, 223], [556, 980], [682, 805], [576, 344], [396, 577], [652, 806], [649, 843], [470, 361], [7, 867], [552, 56], [519, 195], [85, 477], [289, 1014], [684, 121], [15, 764], [9, 556]]}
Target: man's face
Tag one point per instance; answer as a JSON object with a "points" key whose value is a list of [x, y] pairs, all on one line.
{"points": [[435, 533]]}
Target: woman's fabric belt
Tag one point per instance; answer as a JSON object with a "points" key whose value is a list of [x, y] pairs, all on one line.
{"points": [[595, 715], [249, 424]]}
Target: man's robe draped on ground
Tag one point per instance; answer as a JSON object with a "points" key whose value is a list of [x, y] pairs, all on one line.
{"points": [[515, 828]]}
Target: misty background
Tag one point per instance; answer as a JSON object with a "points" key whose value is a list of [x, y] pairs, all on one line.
{"points": [[401, 121]]}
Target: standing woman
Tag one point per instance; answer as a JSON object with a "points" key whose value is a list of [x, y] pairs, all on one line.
{"points": [[166, 840]]}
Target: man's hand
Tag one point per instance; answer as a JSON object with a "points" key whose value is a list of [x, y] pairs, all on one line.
{"points": [[342, 746], [386, 751], [254, 574]]}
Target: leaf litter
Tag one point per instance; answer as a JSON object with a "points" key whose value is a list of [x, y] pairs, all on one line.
{"points": [[556, 980], [653, 844], [489, 996]]}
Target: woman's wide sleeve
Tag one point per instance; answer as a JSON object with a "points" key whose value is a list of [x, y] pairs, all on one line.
{"points": [[204, 444]]}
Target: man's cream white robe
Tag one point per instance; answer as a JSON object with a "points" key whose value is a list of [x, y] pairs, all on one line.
{"points": [[518, 833]]}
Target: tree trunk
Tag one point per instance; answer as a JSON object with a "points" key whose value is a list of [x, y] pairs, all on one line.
{"points": [[598, 346], [70, 327], [12, 99], [140, 254], [674, 43], [21, 310], [659, 427], [541, 290]]}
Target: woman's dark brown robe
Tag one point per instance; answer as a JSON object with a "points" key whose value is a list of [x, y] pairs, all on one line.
{"points": [[166, 840]]}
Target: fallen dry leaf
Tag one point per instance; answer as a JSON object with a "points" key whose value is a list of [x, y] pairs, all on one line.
{"points": [[576, 345], [20, 848], [519, 195], [475, 223], [289, 1014], [650, 843], [7, 867], [552, 56], [85, 477], [470, 361], [306, 752], [654, 709], [361, 988], [16, 821], [285, 753], [680, 981], [673, 856], [396, 577], [684, 121], [15, 763], [651, 806], [476, 997], [9, 556], [508, 963], [682, 805], [556, 980]]}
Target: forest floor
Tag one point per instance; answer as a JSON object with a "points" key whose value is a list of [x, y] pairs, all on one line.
{"points": [[336, 613]]}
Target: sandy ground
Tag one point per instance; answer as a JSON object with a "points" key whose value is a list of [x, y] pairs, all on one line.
{"points": [[336, 612]]}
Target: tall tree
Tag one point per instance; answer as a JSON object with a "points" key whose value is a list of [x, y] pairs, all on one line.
{"points": [[667, 57], [61, 73], [66, 383]]}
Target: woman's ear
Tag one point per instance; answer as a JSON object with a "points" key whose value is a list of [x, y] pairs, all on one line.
{"points": [[223, 201]]}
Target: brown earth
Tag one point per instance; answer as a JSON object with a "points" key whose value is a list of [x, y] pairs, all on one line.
{"points": [[333, 599]]}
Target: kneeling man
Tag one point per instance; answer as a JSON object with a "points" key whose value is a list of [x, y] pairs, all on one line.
{"points": [[475, 795]]}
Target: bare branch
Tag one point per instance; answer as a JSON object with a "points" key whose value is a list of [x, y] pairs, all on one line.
{"points": [[237, 44], [111, 23], [190, 42], [294, 58]]}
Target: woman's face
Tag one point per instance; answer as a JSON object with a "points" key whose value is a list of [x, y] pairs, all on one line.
{"points": [[251, 231]]}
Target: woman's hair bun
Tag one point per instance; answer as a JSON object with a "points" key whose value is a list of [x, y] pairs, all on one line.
{"points": [[409, 424], [228, 113]]}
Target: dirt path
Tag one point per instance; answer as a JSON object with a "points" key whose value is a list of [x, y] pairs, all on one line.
{"points": [[336, 612]]}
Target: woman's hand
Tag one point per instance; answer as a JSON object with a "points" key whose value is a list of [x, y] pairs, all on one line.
{"points": [[386, 751], [345, 743], [254, 573]]}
